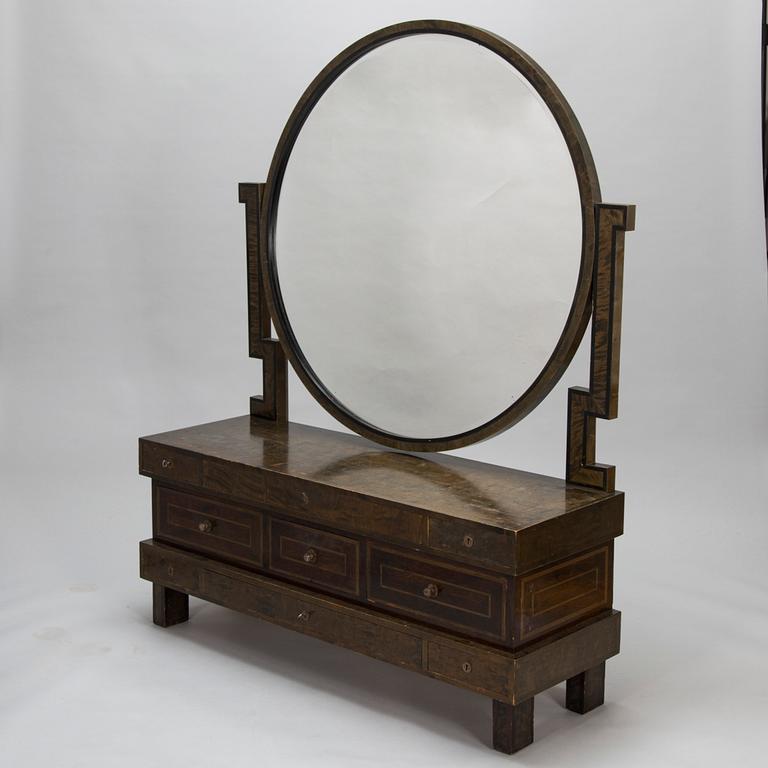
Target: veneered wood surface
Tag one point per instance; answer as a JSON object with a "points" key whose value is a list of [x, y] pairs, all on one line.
{"points": [[466, 599], [589, 192], [272, 403], [512, 726], [511, 676], [233, 531], [515, 520], [601, 400]]}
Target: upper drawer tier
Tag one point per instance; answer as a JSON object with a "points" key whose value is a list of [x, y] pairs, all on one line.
{"points": [[437, 592], [169, 463], [208, 526], [315, 557]]}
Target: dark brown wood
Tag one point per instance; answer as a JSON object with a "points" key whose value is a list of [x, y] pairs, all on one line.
{"points": [[165, 461], [512, 726], [586, 691], [589, 190], [602, 398], [510, 676], [432, 589], [323, 559], [556, 595], [437, 592], [354, 486], [169, 607], [207, 525], [491, 579], [273, 402]]}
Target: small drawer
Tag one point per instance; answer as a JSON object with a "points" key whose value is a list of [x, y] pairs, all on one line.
{"points": [[208, 526], [314, 557], [170, 464], [465, 539], [159, 566], [483, 672], [437, 592]]}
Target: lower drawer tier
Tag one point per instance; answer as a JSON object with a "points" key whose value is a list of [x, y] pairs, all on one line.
{"points": [[510, 676]]}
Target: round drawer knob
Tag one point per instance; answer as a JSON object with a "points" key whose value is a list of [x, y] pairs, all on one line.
{"points": [[431, 590], [167, 463], [205, 527], [303, 616], [468, 541], [466, 667], [310, 556]]}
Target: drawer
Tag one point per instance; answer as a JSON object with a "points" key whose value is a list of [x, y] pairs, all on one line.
{"points": [[209, 526], [467, 540], [437, 592], [159, 461], [483, 672], [314, 557]]}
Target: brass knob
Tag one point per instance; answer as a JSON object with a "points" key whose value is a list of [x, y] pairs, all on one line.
{"points": [[205, 527], [466, 667], [310, 556], [166, 463], [468, 541], [431, 590], [303, 616]]}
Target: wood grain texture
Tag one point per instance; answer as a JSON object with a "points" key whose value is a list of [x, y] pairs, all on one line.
{"points": [[169, 607], [273, 402], [322, 559], [589, 192], [557, 595], [510, 676], [602, 398], [437, 592], [207, 525], [352, 485], [467, 600], [512, 726], [586, 691]]}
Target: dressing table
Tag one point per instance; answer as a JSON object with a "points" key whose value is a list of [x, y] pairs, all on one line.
{"points": [[429, 286]]}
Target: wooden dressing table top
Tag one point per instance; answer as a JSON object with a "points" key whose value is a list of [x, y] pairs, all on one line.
{"points": [[518, 519]]}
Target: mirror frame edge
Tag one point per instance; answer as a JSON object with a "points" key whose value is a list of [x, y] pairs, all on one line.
{"points": [[589, 192]]}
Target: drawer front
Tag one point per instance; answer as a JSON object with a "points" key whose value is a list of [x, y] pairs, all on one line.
{"points": [[314, 557], [471, 541], [312, 616], [170, 464], [208, 526], [437, 592], [483, 672]]}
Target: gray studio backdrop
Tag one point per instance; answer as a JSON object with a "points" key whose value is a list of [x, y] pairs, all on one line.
{"points": [[125, 128]]}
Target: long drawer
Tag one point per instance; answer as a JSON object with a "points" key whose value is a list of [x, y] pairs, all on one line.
{"points": [[213, 527], [437, 592]]}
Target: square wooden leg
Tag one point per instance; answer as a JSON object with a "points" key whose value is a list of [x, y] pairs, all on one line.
{"points": [[169, 607], [586, 691], [512, 725]]}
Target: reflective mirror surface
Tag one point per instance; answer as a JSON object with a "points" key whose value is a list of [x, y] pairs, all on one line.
{"points": [[427, 240]]}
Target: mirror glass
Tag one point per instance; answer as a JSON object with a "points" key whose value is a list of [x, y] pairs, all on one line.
{"points": [[428, 237]]}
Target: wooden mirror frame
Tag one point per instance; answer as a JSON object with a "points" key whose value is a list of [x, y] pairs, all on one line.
{"points": [[597, 294]]}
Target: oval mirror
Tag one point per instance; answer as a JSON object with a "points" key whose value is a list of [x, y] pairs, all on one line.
{"points": [[429, 231]]}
